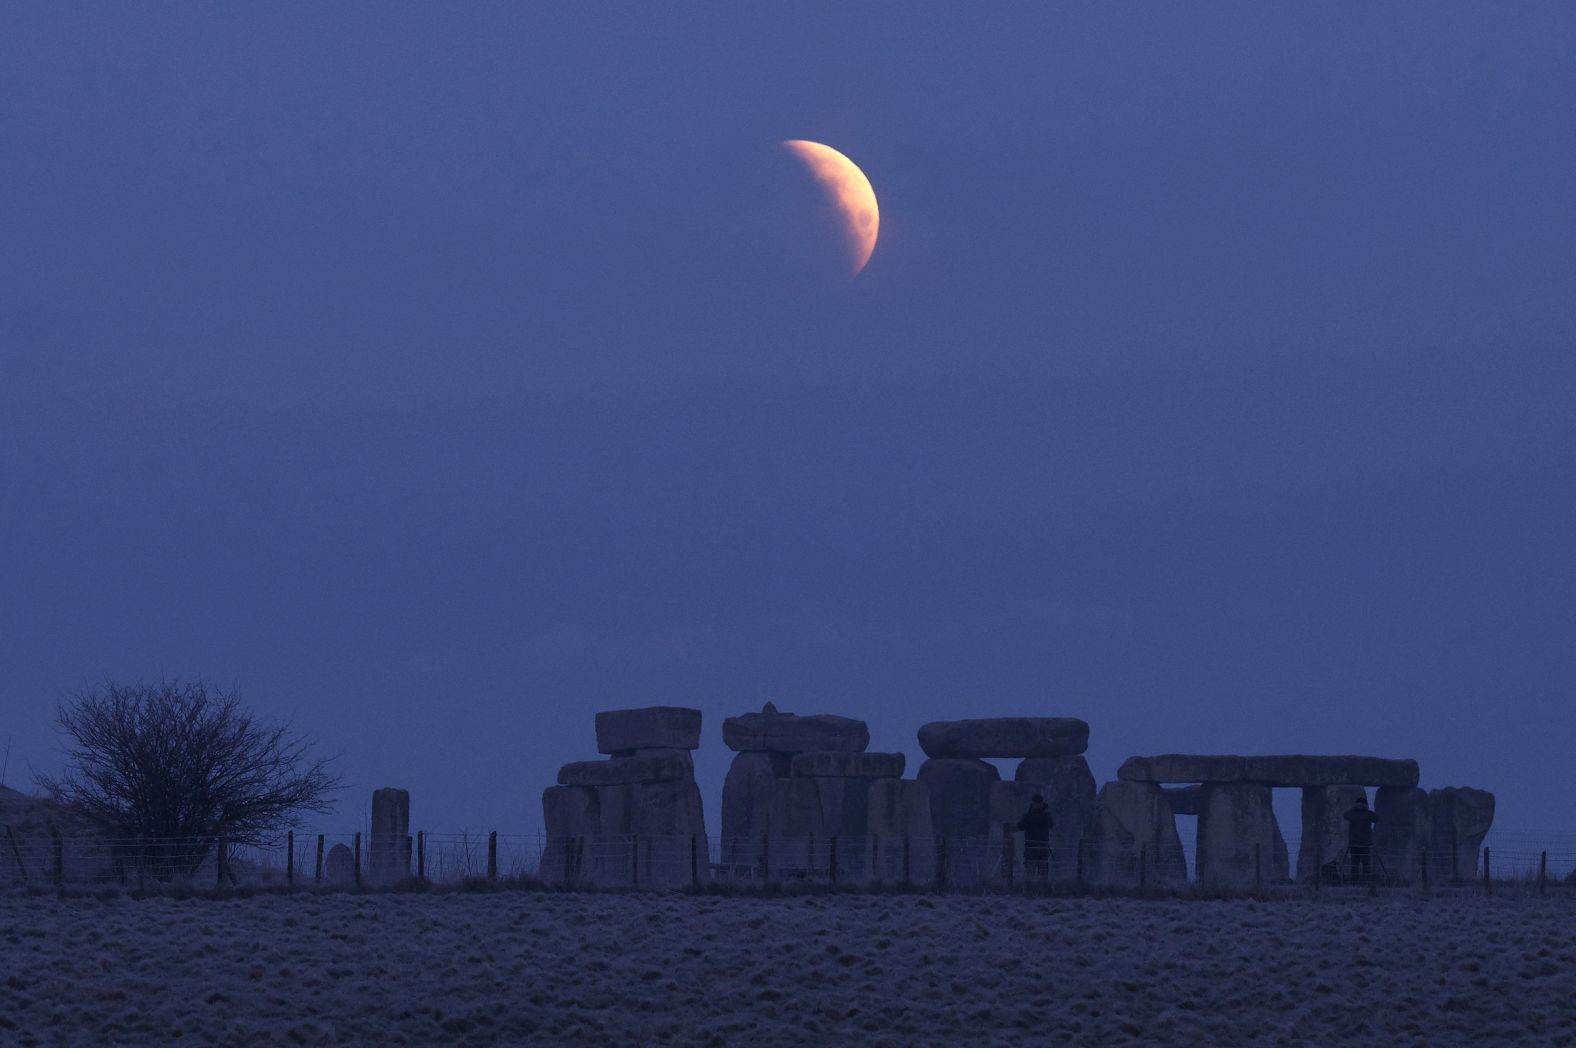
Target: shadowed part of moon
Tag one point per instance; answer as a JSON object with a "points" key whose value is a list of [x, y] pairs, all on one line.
{"points": [[849, 190]]}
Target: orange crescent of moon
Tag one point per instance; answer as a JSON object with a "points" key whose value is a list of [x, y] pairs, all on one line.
{"points": [[849, 189]]}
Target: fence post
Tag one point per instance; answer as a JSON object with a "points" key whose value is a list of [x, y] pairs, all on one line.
{"points": [[1455, 855], [1078, 871], [492, 856], [1258, 866], [1143, 865], [907, 860], [142, 862], [875, 858], [1422, 862], [1006, 854], [941, 863], [1488, 885], [60, 856], [694, 860], [317, 869], [766, 858], [421, 856], [634, 860], [809, 859], [1318, 867], [831, 859], [16, 851], [357, 864], [1543, 871], [290, 859], [222, 865]]}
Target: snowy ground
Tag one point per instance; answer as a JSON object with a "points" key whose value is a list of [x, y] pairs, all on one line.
{"points": [[529, 968]]}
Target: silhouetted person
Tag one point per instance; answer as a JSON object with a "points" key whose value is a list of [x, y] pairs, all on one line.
{"points": [[1360, 838], [1036, 829]]}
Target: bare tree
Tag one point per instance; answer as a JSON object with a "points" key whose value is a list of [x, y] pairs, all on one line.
{"points": [[183, 767]]}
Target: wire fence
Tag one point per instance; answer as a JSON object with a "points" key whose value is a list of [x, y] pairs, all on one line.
{"points": [[354, 861]]}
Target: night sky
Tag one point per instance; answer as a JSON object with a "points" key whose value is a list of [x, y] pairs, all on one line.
{"points": [[439, 375]]}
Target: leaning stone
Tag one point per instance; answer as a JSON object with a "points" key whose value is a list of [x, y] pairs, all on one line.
{"points": [[901, 831], [1403, 836], [1461, 817], [1239, 843], [618, 771], [340, 866], [1324, 828], [1137, 837], [1005, 737], [572, 816], [848, 765], [388, 859], [772, 732], [666, 727], [1068, 786]]}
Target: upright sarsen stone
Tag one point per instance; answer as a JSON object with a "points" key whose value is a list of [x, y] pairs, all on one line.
{"points": [[573, 818], [902, 835], [960, 792], [1137, 837], [1461, 818], [1239, 842], [1068, 787], [1404, 833], [746, 802], [1324, 830], [388, 858]]}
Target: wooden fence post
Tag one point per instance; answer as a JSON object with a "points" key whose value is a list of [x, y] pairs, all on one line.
{"points": [[357, 864], [1078, 871], [875, 858], [694, 860], [142, 862], [1488, 884], [908, 876], [766, 858], [317, 868], [1422, 862], [290, 859], [492, 856], [1006, 854], [60, 856], [16, 852], [1455, 855], [1543, 871], [831, 859], [1258, 866], [421, 856], [634, 860], [1143, 865], [222, 866], [941, 863]]}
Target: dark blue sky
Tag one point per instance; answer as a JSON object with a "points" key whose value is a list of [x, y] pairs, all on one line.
{"points": [[441, 375]]}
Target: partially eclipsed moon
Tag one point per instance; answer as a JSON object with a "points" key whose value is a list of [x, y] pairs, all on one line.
{"points": [[849, 190]]}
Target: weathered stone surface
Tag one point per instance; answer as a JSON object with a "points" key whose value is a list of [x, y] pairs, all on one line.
{"points": [[646, 831], [796, 831], [1324, 829], [1005, 737], [1068, 786], [1404, 833], [848, 765], [388, 860], [340, 866], [1285, 771], [959, 796], [618, 771], [746, 801], [571, 814], [665, 727], [1461, 818], [900, 827], [1239, 842], [773, 732], [1183, 800], [1137, 837]]}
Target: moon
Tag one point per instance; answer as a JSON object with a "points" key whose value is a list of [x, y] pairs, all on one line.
{"points": [[849, 191]]}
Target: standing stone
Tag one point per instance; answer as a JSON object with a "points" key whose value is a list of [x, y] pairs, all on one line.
{"points": [[1136, 825], [795, 831], [746, 800], [1323, 828], [388, 859], [1236, 828], [340, 866], [653, 727], [573, 818], [1462, 816], [960, 791], [900, 824], [1404, 833], [1068, 786]]}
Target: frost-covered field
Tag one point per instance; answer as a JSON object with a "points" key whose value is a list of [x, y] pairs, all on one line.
{"points": [[533, 968]]}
